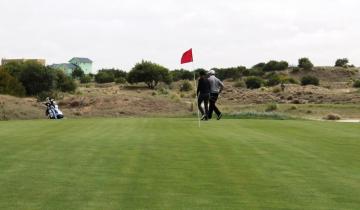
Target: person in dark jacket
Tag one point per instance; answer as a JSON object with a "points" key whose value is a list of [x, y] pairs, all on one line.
{"points": [[203, 95]]}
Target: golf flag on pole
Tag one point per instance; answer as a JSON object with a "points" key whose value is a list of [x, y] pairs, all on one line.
{"points": [[187, 57]]}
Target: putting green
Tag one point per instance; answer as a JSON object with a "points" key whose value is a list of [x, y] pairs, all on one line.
{"points": [[172, 164]]}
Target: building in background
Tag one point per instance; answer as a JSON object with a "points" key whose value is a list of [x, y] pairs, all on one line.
{"points": [[67, 68], [84, 64], [39, 61]]}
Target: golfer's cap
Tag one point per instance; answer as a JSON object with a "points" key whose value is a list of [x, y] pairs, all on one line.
{"points": [[212, 72]]}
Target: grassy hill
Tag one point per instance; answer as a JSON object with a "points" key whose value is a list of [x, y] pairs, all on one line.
{"points": [[172, 164]]}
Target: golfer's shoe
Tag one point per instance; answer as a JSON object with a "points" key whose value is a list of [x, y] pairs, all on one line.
{"points": [[204, 117], [219, 116]]}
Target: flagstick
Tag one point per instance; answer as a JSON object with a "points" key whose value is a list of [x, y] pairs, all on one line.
{"points": [[196, 96]]}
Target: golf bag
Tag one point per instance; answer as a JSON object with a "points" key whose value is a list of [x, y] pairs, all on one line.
{"points": [[53, 111]]}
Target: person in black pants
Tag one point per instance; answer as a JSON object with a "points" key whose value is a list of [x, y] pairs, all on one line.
{"points": [[203, 94], [216, 86]]}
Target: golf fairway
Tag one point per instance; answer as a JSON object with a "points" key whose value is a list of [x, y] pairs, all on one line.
{"points": [[172, 164]]}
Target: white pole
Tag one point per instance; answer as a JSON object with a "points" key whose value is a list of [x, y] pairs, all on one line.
{"points": [[196, 98]]}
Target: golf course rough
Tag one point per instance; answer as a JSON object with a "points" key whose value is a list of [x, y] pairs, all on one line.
{"points": [[172, 164]]}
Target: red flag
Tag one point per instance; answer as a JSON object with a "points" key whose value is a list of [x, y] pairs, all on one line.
{"points": [[187, 57]]}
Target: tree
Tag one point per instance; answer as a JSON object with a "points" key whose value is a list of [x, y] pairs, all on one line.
{"points": [[276, 66], [181, 74], [77, 73], [305, 63], [104, 77], [259, 66], [342, 62], [10, 85], [37, 78], [149, 73], [233, 73]]}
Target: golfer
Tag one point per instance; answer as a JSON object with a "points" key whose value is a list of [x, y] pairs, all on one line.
{"points": [[203, 94], [216, 86]]}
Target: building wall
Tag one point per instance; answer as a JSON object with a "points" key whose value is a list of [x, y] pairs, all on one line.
{"points": [[86, 67]]}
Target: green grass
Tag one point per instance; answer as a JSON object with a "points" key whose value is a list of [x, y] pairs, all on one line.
{"points": [[172, 164]]}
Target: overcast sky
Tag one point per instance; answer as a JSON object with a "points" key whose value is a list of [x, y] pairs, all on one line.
{"points": [[119, 33]]}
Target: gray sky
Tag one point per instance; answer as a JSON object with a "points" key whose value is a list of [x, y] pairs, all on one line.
{"points": [[119, 33]]}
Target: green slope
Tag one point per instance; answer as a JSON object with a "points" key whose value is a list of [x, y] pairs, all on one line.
{"points": [[172, 164]]}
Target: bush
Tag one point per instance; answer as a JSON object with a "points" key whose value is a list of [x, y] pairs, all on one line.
{"points": [[10, 85], [186, 86], [309, 80], [332, 117], [240, 84], [342, 62], [233, 73], [64, 83], [271, 108], [117, 73], [85, 79], [256, 72], [276, 66], [77, 73], [104, 77], [254, 82], [357, 84], [276, 90], [120, 80], [305, 63], [273, 80]]}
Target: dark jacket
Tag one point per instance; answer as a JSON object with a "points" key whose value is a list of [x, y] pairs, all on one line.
{"points": [[203, 86]]}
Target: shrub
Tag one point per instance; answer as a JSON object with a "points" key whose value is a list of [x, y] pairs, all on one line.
{"points": [[240, 84], [120, 80], [290, 81], [117, 73], [276, 66], [342, 62], [233, 73], [10, 85], [85, 79], [254, 82], [77, 73], [276, 90], [357, 84], [64, 83], [271, 107], [256, 72], [305, 63], [309, 80], [104, 77], [163, 91], [186, 86], [332, 117], [273, 80]]}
